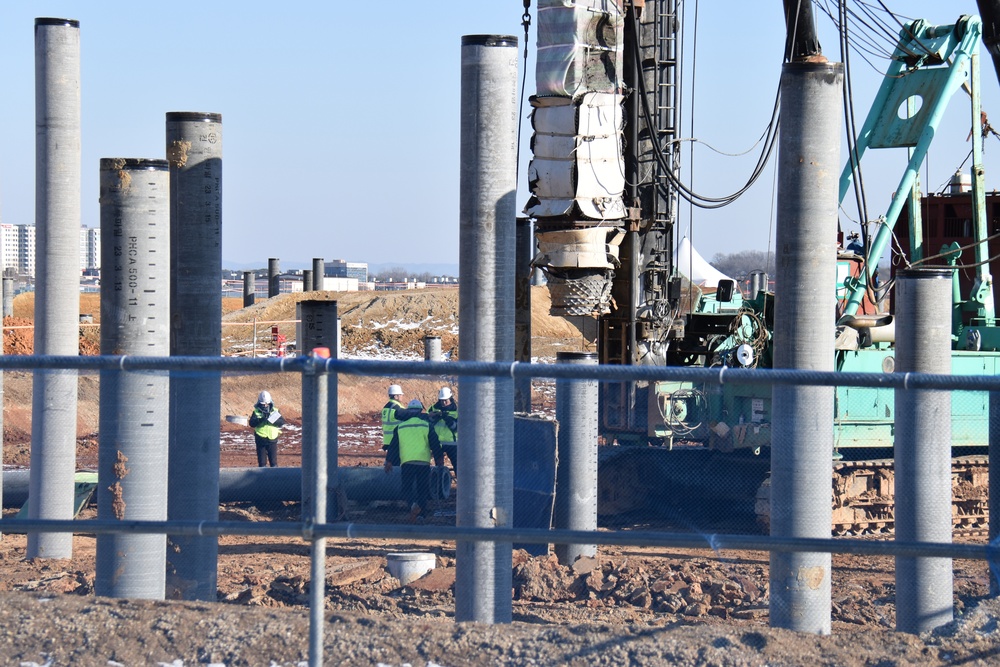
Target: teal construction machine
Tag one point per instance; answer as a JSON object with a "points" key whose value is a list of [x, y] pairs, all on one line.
{"points": [[683, 445]]}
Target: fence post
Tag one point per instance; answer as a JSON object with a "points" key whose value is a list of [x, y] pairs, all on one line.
{"points": [[314, 419]]}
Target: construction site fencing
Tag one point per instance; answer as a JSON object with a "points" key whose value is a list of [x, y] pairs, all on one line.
{"points": [[361, 499]]}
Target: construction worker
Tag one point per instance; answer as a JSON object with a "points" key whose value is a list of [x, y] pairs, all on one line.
{"points": [[413, 445], [389, 419], [266, 422], [444, 417]]}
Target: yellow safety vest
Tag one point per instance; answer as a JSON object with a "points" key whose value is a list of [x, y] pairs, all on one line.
{"points": [[265, 429], [444, 432], [414, 440], [389, 421]]}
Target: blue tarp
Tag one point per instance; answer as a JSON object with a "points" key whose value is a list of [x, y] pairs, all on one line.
{"points": [[534, 476]]}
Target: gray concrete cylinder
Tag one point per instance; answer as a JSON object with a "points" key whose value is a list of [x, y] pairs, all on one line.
{"points": [[576, 471], [57, 278], [802, 441], [135, 316], [307, 280], [273, 277], [360, 484], [432, 348], [319, 273], [487, 211], [194, 151], [249, 289], [8, 297], [320, 327], [922, 449], [758, 283]]}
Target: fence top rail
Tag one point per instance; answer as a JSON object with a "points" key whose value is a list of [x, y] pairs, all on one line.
{"points": [[717, 542], [605, 373]]}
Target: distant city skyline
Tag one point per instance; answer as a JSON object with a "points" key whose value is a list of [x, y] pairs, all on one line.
{"points": [[345, 142], [17, 248]]}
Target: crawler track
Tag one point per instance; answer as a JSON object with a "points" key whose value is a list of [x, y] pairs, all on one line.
{"points": [[864, 496]]}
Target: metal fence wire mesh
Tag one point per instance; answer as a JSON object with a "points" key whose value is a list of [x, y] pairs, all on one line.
{"points": [[686, 487]]}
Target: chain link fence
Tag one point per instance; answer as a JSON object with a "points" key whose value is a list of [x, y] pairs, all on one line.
{"points": [[692, 473]]}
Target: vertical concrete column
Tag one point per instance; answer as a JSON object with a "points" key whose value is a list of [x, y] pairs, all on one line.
{"points": [[273, 280], [194, 151], [487, 211], [319, 272], [320, 328], [522, 310], [249, 289], [802, 442], [576, 472], [307, 280], [8, 297], [923, 448], [57, 278], [135, 320], [432, 348]]}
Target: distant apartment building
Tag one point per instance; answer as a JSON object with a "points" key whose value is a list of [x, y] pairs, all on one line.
{"points": [[338, 268], [17, 248], [90, 248]]}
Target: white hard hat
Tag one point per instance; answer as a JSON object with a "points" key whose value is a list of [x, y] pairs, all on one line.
{"points": [[415, 403], [395, 390], [444, 394], [264, 398]]}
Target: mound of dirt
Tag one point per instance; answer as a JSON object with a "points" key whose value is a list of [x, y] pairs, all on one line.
{"points": [[19, 337], [374, 324], [395, 323]]}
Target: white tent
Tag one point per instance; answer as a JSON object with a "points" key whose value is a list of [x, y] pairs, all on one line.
{"points": [[695, 267]]}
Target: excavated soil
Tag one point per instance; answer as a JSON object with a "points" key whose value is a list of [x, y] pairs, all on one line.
{"points": [[626, 606]]}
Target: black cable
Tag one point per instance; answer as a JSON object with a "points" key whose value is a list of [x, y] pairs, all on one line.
{"points": [[908, 27], [688, 194], [865, 38], [851, 126], [526, 22]]}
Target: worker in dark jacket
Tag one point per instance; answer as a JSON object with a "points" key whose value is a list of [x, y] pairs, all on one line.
{"points": [[444, 417], [414, 445], [266, 422]]}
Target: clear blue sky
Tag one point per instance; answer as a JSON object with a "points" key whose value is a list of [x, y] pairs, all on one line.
{"points": [[341, 119]]}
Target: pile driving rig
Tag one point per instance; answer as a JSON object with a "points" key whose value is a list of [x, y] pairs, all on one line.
{"points": [[605, 187]]}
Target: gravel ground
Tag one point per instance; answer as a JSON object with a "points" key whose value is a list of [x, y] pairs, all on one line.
{"points": [[59, 630]]}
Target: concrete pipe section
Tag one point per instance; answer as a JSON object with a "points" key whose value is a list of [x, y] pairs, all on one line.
{"points": [[277, 484]]}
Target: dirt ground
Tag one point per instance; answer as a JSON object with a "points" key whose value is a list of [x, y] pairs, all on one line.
{"points": [[626, 606]]}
